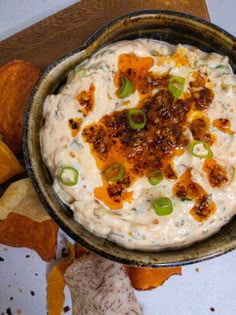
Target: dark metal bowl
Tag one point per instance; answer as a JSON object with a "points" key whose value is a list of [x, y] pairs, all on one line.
{"points": [[167, 26]]}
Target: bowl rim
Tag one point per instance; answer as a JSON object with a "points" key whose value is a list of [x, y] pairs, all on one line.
{"points": [[154, 12], [26, 148]]}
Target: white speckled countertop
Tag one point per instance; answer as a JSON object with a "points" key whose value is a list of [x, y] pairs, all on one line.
{"points": [[204, 288]]}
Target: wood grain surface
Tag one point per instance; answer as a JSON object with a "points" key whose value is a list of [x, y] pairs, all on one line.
{"points": [[54, 36]]}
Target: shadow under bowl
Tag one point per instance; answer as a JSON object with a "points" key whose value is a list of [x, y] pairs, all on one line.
{"points": [[167, 26]]}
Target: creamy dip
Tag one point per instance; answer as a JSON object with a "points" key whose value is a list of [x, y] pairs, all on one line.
{"points": [[141, 143]]}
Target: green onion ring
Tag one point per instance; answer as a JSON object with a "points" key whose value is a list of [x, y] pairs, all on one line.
{"points": [[191, 148], [69, 176], [162, 206], [126, 88], [155, 177], [176, 85], [136, 119], [114, 168]]}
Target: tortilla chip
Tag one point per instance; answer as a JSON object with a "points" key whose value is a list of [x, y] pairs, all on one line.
{"points": [[9, 166], [150, 278], [20, 197], [20, 231], [56, 284], [17, 79]]}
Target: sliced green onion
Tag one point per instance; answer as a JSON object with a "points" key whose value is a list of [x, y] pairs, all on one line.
{"points": [[210, 197], [127, 88], [186, 199], [154, 52], [163, 206], [223, 69], [176, 85], [136, 119], [155, 178], [192, 148], [114, 172], [76, 145], [80, 73], [69, 176]]}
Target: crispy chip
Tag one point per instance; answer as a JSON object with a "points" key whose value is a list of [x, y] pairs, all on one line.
{"points": [[141, 278], [17, 79], [9, 166], [99, 286], [150, 278], [56, 284], [19, 231], [80, 250], [21, 198]]}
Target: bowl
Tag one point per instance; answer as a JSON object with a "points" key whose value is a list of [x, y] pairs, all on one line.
{"points": [[167, 26]]}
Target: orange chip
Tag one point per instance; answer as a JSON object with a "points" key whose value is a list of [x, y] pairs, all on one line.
{"points": [[17, 79], [150, 278], [56, 284], [20, 231], [9, 166], [141, 278], [80, 250]]}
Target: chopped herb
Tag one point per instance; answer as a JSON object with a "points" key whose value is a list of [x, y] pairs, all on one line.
{"points": [[223, 69], [115, 234], [153, 52], [76, 144], [185, 199]]}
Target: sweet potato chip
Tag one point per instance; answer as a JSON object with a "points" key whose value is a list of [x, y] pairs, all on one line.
{"points": [[150, 278], [21, 198], [141, 278], [56, 284], [80, 250], [20, 231], [9, 166], [17, 79]]}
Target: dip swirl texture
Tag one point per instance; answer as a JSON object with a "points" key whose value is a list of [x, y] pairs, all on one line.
{"points": [[141, 143]]}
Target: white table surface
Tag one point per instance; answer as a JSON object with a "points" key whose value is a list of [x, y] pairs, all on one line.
{"points": [[204, 288]]}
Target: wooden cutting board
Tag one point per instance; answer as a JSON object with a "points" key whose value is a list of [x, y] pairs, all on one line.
{"points": [[54, 36]]}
